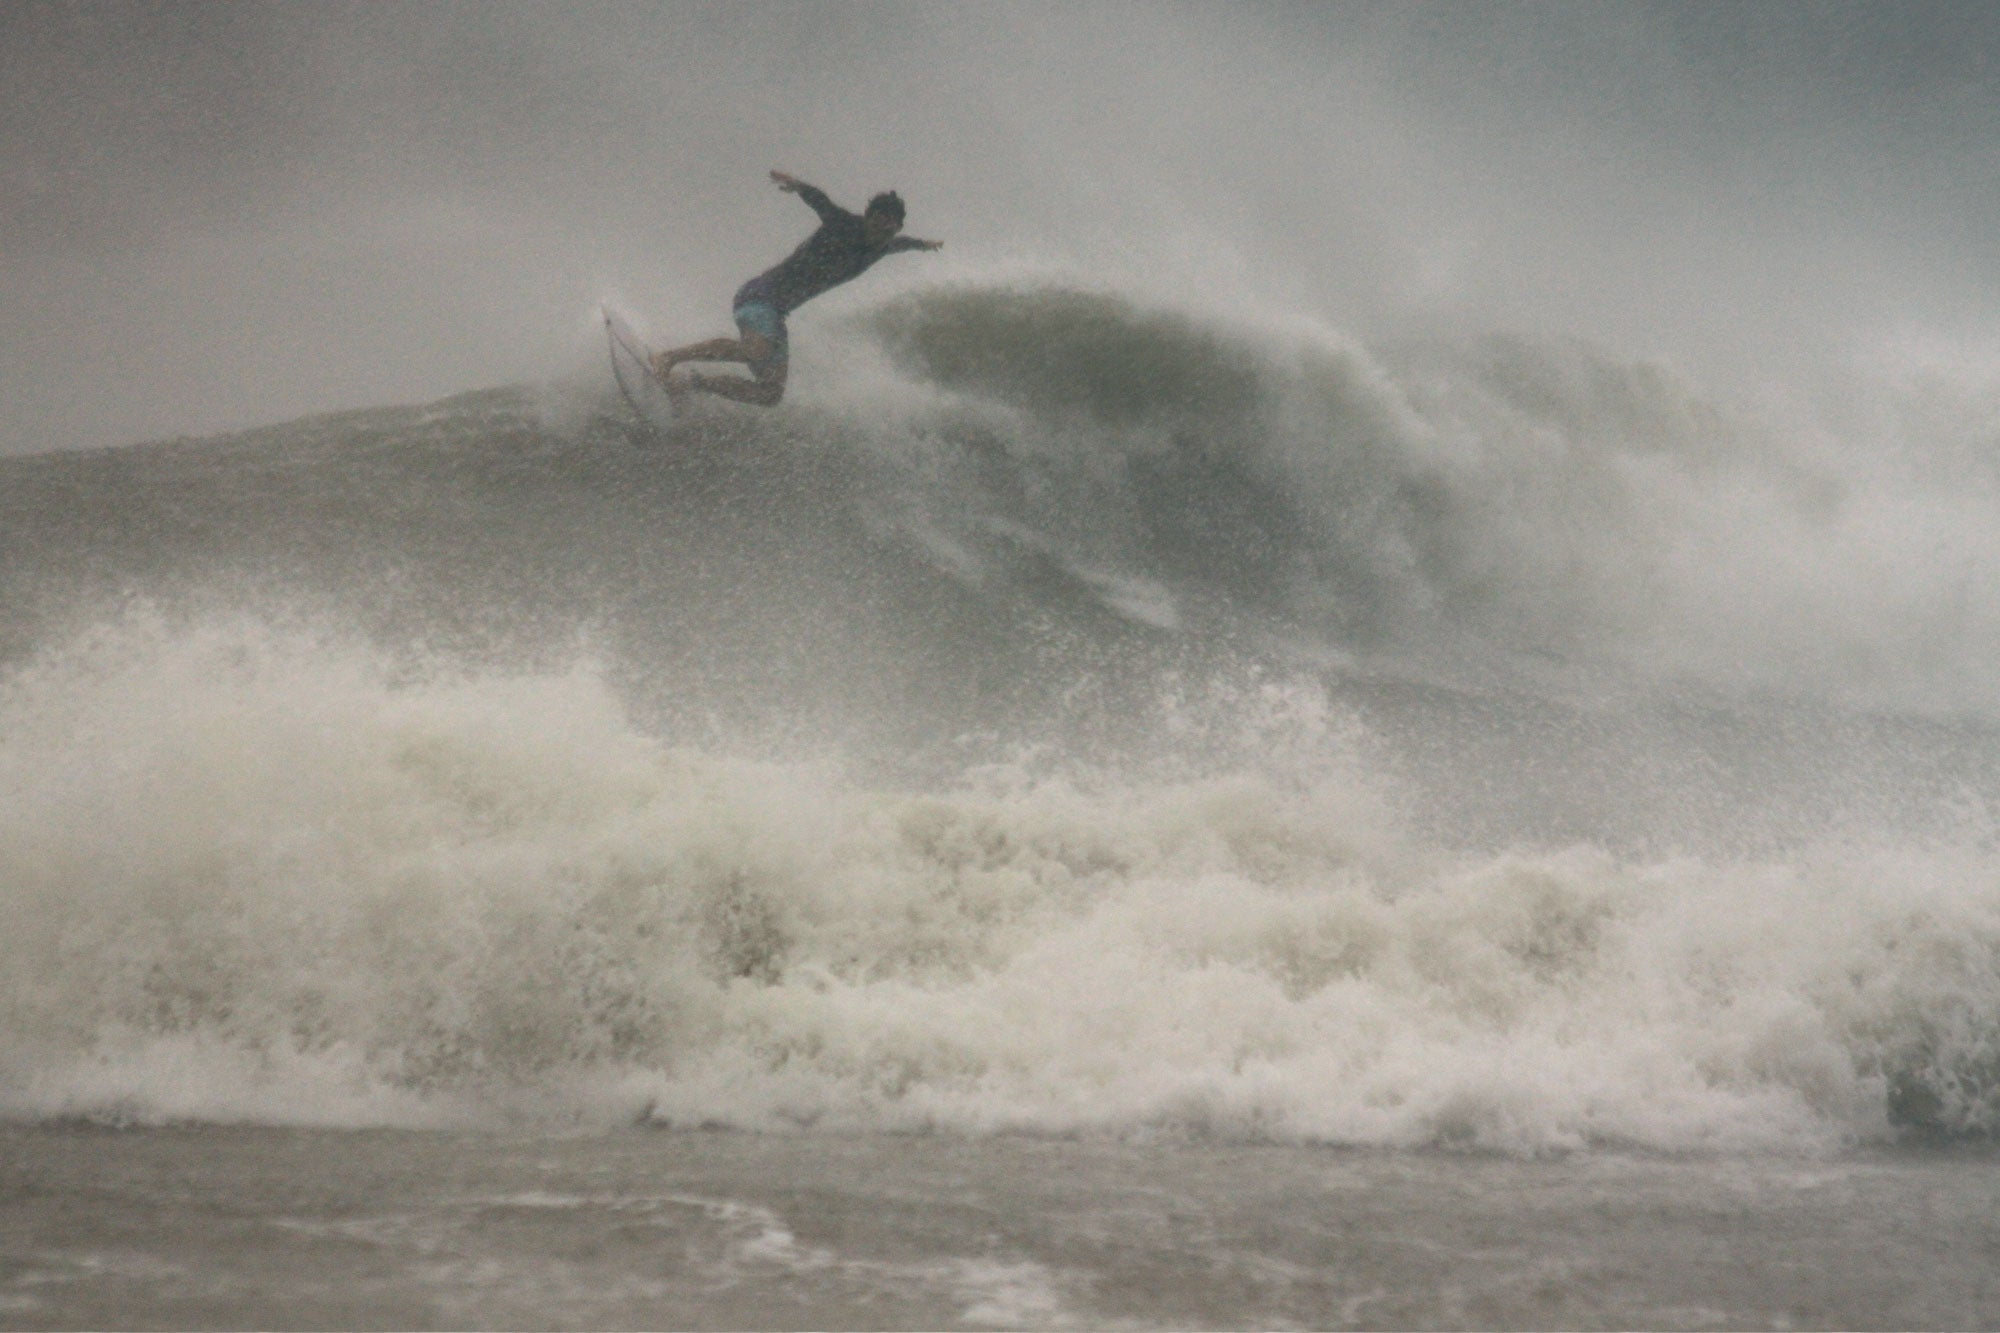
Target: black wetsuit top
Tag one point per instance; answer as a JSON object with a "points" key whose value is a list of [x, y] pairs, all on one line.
{"points": [[838, 251]]}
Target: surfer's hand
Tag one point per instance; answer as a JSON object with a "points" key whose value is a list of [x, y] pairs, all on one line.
{"points": [[933, 245], [789, 184]]}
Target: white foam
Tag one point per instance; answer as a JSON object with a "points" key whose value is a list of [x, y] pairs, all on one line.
{"points": [[258, 874]]}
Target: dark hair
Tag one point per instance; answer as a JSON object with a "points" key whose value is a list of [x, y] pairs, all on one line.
{"points": [[887, 202]]}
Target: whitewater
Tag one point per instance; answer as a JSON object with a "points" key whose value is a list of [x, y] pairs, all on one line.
{"points": [[1071, 715], [1082, 761]]}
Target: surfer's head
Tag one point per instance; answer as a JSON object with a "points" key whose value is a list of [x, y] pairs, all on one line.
{"points": [[884, 217]]}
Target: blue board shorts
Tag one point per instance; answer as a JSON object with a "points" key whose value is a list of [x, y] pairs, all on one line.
{"points": [[755, 314]]}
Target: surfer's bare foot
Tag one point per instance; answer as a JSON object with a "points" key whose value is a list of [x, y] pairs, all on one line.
{"points": [[663, 362]]}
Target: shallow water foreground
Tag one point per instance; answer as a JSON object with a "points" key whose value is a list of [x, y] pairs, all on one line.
{"points": [[286, 1228]]}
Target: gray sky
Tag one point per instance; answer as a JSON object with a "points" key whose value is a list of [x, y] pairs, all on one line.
{"points": [[218, 215]]}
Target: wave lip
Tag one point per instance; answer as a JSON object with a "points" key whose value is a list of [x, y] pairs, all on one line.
{"points": [[1500, 503]]}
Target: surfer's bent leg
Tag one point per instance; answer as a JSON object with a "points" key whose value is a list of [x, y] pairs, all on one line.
{"points": [[764, 391], [766, 351], [714, 349]]}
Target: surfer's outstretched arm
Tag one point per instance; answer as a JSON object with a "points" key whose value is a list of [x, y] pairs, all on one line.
{"points": [[815, 197]]}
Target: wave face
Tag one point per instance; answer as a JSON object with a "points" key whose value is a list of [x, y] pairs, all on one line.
{"points": [[1479, 506], [1066, 716]]}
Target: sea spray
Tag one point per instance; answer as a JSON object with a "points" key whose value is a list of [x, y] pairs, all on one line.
{"points": [[260, 874], [1499, 507]]}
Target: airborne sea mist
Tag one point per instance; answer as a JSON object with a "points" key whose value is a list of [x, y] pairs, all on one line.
{"points": [[1384, 727]]}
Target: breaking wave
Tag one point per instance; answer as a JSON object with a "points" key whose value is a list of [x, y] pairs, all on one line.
{"points": [[1067, 715], [266, 875]]}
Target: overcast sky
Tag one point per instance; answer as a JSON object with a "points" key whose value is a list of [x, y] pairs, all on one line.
{"points": [[217, 215]]}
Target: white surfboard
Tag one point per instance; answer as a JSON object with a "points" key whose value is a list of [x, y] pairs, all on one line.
{"points": [[632, 363]]}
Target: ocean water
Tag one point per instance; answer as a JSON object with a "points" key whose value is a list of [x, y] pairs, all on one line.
{"points": [[1100, 811], [213, 1227]]}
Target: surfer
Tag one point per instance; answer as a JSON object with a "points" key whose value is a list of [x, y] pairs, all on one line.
{"points": [[844, 247]]}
